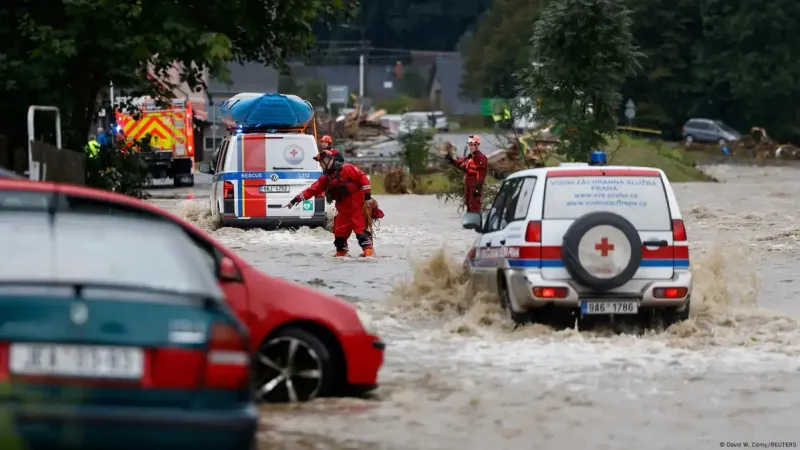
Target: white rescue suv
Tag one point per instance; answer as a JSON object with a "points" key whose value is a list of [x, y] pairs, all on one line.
{"points": [[565, 243]]}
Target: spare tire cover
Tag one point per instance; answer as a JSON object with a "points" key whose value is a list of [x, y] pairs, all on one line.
{"points": [[602, 250]]}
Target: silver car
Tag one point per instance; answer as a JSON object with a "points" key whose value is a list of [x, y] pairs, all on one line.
{"points": [[707, 130]]}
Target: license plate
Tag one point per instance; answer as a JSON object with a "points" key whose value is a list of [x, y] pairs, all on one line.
{"points": [[274, 189], [629, 307], [76, 361]]}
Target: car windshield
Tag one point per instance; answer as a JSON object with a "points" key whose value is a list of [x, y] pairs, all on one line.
{"points": [[95, 249], [725, 128]]}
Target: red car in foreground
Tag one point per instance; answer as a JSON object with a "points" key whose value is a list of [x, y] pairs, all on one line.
{"points": [[305, 344]]}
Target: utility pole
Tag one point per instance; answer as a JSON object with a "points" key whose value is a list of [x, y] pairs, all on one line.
{"points": [[362, 61]]}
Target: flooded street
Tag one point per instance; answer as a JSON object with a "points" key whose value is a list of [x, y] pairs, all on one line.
{"points": [[457, 376]]}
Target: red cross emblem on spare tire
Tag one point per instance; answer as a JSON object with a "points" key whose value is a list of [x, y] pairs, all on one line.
{"points": [[604, 247]]}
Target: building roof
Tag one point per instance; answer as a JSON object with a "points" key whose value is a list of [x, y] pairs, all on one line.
{"points": [[449, 70], [247, 77]]}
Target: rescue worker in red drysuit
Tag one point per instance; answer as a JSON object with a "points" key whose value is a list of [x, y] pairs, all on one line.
{"points": [[349, 187], [475, 167], [326, 143]]}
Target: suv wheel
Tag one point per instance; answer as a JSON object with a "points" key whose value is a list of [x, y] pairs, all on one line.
{"points": [[505, 303], [689, 139], [722, 142], [580, 253]]}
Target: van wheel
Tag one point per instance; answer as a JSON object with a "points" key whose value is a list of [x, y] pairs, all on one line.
{"points": [[505, 302], [292, 365], [689, 139]]}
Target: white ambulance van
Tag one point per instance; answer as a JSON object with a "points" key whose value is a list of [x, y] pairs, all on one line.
{"points": [[266, 161], [580, 241], [256, 174]]}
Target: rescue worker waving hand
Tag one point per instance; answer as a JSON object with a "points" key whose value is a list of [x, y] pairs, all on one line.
{"points": [[475, 167], [349, 187]]}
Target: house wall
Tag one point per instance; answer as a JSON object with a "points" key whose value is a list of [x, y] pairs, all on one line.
{"points": [[435, 94]]}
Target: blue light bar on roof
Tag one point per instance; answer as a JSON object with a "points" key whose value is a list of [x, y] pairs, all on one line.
{"points": [[262, 111]]}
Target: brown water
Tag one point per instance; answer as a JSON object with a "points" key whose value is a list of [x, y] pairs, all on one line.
{"points": [[457, 376]]}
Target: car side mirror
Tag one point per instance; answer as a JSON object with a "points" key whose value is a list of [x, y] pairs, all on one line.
{"points": [[228, 270], [472, 221], [205, 167]]}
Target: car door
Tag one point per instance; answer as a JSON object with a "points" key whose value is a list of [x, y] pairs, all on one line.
{"points": [[217, 181], [489, 254], [505, 225]]}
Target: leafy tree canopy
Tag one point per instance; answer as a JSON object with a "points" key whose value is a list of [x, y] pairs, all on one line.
{"points": [[498, 48], [584, 52], [65, 53]]}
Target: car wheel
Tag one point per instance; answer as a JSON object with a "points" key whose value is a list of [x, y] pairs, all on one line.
{"points": [[292, 365], [689, 139], [505, 303], [722, 142]]}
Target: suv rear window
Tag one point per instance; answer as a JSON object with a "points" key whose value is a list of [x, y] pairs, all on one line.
{"points": [[640, 199]]}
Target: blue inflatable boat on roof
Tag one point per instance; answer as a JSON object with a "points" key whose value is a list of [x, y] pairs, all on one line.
{"points": [[260, 111]]}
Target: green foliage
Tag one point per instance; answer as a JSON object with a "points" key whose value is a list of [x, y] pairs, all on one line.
{"points": [[580, 71], [416, 146], [497, 49], [119, 167], [287, 85], [66, 53], [315, 91]]}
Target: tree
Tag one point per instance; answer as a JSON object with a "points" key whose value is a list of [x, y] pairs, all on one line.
{"points": [[66, 53], [584, 52], [747, 65], [667, 32], [495, 52]]}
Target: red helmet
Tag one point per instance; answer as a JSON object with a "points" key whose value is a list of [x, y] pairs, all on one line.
{"points": [[474, 139], [323, 153], [326, 139]]}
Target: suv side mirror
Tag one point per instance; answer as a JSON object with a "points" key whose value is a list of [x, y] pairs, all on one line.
{"points": [[205, 167], [228, 270], [472, 221]]}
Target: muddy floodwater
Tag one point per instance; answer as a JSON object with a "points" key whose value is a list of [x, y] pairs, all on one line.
{"points": [[457, 376]]}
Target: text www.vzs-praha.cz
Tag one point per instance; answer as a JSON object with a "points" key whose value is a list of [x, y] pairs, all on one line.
{"points": [[607, 203]]}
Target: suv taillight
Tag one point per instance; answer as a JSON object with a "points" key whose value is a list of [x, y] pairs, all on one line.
{"points": [[227, 190], [534, 231], [228, 358], [678, 231]]}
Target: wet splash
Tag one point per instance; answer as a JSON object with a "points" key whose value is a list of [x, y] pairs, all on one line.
{"points": [[725, 310]]}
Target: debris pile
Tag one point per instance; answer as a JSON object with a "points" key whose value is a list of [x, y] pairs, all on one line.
{"points": [[756, 145], [354, 128]]}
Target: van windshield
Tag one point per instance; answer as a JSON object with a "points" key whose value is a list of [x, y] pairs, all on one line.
{"points": [[640, 199]]}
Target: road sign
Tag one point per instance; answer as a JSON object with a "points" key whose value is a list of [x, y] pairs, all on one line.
{"points": [[630, 110], [338, 95]]}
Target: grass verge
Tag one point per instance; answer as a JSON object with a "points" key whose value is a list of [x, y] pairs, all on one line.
{"points": [[678, 164]]}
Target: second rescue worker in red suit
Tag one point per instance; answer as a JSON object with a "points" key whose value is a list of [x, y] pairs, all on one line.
{"points": [[349, 187], [326, 143], [475, 167]]}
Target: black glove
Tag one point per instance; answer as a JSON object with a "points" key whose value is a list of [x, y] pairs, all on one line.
{"points": [[367, 196], [293, 202]]}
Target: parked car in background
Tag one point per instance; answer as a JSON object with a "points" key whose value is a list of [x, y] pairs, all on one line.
{"points": [[707, 130], [5, 173], [115, 328], [304, 343]]}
